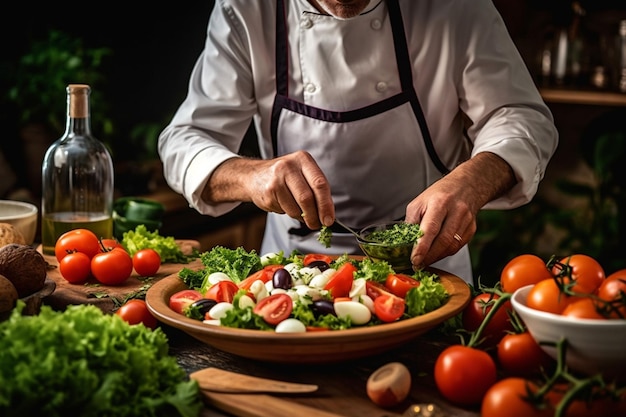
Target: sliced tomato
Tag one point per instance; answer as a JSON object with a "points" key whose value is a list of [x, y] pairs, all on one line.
{"points": [[400, 284], [389, 308], [340, 283], [264, 275], [275, 308], [312, 257], [375, 290], [181, 299], [222, 291]]}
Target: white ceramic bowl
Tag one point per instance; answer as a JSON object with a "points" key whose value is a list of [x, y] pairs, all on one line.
{"points": [[22, 215], [594, 346]]}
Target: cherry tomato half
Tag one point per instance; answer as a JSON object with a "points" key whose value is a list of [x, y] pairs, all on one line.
{"points": [[389, 308], [136, 311], [183, 298], [275, 308], [400, 284], [113, 267], [263, 275], [340, 283], [222, 291], [312, 257], [77, 240], [75, 267], [146, 262]]}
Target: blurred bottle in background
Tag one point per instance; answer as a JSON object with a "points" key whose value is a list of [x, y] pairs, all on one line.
{"points": [[77, 177]]}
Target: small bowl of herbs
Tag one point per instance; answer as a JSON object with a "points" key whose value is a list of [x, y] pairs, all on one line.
{"points": [[391, 242]]}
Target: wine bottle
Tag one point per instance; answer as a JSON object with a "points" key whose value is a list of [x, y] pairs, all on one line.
{"points": [[77, 177]]}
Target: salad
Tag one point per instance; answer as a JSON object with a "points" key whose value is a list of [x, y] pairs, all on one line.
{"points": [[302, 292]]}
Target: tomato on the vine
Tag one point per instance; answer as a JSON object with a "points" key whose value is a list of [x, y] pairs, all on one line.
{"points": [[75, 267], [474, 314], [77, 240], [180, 300], [523, 270], [146, 262], [547, 296], [400, 284], [389, 308], [583, 308], [136, 311], [510, 397], [275, 308], [584, 271], [613, 291], [113, 267], [520, 355], [222, 291], [464, 374]]}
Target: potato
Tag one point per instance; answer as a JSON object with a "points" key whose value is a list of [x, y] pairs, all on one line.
{"points": [[8, 295]]}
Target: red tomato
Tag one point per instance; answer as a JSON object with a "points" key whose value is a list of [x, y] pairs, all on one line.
{"points": [[110, 244], [613, 291], [389, 308], [146, 262], [375, 290], [311, 257], [520, 355], [264, 275], [113, 267], [507, 398], [340, 283], [182, 299], [77, 240], [476, 311], [222, 291], [583, 270], [583, 308], [400, 284], [275, 308], [523, 270], [464, 374], [136, 311], [546, 296], [75, 267]]}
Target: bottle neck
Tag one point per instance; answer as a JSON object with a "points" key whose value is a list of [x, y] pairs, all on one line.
{"points": [[78, 119]]}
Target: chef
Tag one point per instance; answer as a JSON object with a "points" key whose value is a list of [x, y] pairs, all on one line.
{"points": [[366, 111]]}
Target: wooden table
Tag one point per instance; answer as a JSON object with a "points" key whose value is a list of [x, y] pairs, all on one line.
{"points": [[341, 386]]}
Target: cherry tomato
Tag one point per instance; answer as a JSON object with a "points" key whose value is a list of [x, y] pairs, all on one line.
{"points": [[113, 267], [136, 311], [264, 275], [476, 311], [520, 355], [507, 398], [546, 296], [523, 270], [464, 374], [613, 291], [222, 291], [583, 270], [375, 290], [146, 262], [340, 283], [583, 308], [389, 308], [183, 298], [77, 240], [75, 267], [400, 284], [109, 244], [312, 257], [275, 308]]}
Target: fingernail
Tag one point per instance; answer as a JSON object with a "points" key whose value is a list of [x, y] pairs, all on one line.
{"points": [[328, 221]]}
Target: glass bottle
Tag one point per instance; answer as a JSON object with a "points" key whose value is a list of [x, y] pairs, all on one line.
{"points": [[77, 177]]}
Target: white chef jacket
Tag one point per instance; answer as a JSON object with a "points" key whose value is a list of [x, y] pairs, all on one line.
{"points": [[474, 88]]}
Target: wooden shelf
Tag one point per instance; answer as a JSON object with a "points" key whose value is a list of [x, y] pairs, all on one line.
{"points": [[595, 98]]}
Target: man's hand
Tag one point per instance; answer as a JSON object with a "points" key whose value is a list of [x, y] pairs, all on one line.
{"points": [[292, 184], [447, 210]]}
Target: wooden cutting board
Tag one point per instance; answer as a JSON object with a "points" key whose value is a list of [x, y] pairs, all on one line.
{"points": [[108, 297]]}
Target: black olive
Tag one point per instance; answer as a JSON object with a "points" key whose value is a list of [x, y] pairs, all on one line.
{"points": [[323, 307], [282, 279], [198, 309], [321, 265]]}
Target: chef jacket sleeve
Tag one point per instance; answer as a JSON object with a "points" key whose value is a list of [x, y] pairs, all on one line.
{"points": [[209, 126], [508, 116]]}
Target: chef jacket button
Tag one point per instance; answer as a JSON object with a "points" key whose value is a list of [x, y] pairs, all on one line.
{"points": [[310, 88], [381, 86], [376, 24], [306, 23]]}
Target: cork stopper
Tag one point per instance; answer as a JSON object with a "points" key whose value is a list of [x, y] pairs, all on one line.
{"points": [[78, 100]]}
